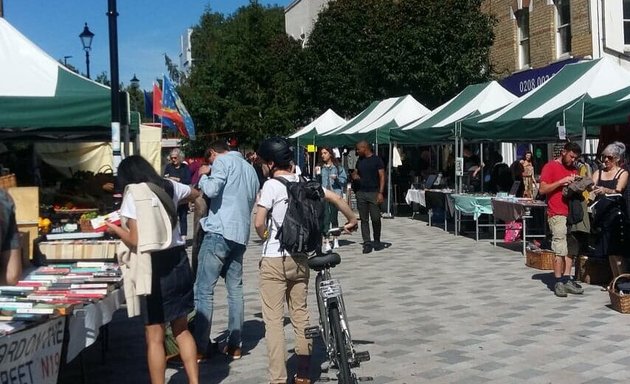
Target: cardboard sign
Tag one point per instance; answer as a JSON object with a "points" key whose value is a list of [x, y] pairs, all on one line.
{"points": [[32, 356]]}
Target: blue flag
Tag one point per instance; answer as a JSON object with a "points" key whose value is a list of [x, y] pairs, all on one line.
{"points": [[148, 105], [173, 108]]}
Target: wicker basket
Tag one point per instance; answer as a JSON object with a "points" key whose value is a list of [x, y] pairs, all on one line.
{"points": [[620, 303], [8, 181], [542, 259], [86, 225], [593, 271]]}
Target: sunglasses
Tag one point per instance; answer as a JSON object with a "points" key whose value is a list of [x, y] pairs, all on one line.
{"points": [[173, 157], [609, 158]]}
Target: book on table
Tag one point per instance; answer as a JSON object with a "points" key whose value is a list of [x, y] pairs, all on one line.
{"points": [[12, 326]]}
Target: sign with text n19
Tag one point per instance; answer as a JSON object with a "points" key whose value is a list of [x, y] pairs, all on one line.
{"points": [[32, 356]]}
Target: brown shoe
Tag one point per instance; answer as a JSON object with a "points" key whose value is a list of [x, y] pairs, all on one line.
{"points": [[301, 380], [234, 353]]}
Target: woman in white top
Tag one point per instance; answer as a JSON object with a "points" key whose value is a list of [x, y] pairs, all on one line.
{"points": [[171, 297]]}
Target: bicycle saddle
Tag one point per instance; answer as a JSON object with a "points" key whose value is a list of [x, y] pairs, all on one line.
{"points": [[323, 261]]}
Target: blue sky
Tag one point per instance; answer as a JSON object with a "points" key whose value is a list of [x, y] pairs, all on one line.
{"points": [[146, 30]]}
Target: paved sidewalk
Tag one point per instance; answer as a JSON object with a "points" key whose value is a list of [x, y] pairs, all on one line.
{"points": [[432, 308]]}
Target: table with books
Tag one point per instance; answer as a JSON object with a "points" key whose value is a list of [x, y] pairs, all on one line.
{"points": [[52, 309]]}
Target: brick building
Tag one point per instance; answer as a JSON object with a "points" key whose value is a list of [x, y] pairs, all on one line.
{"points": [[546, 34]]}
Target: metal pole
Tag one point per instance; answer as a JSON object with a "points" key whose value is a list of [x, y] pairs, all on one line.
{"points": [[87, 62], [126, 138], [112, 15], [1, 9], [481, 164], [389, 182]]}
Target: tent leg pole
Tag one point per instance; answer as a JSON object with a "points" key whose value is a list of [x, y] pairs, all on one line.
{"points": [[389, 184], [481, 165]]}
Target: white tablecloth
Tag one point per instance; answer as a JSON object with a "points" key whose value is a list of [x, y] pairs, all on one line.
{"points": [[416, 196], [85, 323]]}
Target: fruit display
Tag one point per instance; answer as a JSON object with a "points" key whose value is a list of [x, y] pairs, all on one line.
{"points": [[44, 224]]}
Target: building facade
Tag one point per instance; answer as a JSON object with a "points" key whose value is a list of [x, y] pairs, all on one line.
{"points": [[300, 17], [185, 53], [534, 34]]}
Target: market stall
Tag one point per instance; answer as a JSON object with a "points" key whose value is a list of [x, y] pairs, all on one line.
{"points": [[52, 315]]}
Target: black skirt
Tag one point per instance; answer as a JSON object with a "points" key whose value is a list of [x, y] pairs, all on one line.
{"points": [[171, 287]]}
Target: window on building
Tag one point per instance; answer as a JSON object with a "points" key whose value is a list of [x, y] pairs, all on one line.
{"points": [[626, 22], [563, 23], [522, 23]]}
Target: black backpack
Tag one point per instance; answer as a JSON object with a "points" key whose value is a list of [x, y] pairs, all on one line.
{"points": [[300, 232]]}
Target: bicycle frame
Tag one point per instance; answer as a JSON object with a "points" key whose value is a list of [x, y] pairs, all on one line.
{"points": [[339, 347], [329, 290]]}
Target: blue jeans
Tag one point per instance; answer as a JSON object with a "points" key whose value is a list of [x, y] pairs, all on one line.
{"points": [[219, 257]]}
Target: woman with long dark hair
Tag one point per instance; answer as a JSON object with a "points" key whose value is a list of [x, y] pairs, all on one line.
{"points": [[333, 177], [158, 277]]}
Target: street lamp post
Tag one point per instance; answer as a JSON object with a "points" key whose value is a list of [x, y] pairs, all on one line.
{"points": [[112, 15], [135, 83], [86, 39]]}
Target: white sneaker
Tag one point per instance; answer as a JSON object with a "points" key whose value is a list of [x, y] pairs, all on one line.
{"points": [[326, 247], [336, 244]]}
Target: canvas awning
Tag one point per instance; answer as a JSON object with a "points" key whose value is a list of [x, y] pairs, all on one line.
{"points": [[609, 109], [438, 126], [536, 115], [328, 121], [39, 97], [376, 121]]}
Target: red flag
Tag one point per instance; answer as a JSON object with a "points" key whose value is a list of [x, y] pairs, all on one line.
{"points": [[157, 100]]}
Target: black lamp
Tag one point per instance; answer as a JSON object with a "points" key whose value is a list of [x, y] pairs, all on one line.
{"points": [[135, 83], [86, 39]]}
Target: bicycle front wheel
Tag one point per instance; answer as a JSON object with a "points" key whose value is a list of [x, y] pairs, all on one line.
{"points": [[345, 374]]}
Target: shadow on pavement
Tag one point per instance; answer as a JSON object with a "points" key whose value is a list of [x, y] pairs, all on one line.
{"points": [[546, 278]]}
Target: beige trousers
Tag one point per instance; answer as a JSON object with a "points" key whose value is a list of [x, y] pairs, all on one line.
{"points": [[284, 279]]}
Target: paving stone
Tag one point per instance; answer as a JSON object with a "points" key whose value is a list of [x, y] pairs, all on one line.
{"points": [[431, 308]]}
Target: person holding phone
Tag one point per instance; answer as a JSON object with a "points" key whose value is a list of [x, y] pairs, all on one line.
{"points": [[555, 175]]}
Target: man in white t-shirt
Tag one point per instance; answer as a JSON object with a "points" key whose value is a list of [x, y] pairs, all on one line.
{"points": [[284, 277]]}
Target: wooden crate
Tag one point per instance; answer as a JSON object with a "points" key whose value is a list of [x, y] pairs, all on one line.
{"points": [[79, 249], [8, 181], [26, 204]]}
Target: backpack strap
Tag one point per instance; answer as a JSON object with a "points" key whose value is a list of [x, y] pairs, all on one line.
{"points": [[284, 181], [166, 201]]}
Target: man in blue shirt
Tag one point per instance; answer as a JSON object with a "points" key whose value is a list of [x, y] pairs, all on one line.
{"points": [[232, 188]]}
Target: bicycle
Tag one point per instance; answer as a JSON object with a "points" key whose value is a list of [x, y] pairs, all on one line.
{"points": [[333, 323]]}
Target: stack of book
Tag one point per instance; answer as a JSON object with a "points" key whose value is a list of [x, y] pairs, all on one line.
{"points": [[55, 290]]}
